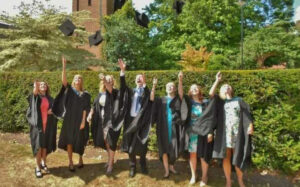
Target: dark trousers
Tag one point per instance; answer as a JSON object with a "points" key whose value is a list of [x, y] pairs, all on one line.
{"points": [[132, 160], [142, 148]]}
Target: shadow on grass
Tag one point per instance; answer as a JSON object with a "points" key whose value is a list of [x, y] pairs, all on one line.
{"points": [[92, 171]]}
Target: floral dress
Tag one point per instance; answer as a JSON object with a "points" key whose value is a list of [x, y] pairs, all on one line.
{"points": [[232, 121]]}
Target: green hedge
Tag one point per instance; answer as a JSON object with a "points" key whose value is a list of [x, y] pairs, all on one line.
{"points": [[272, 94]]}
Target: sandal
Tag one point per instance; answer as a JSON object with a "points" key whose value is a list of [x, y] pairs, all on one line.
{"points": [[45, 168], [38, 173]]}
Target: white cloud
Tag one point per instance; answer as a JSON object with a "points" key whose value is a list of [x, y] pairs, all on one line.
{"points": [[297, 14], [140, 4], [10, 5]]}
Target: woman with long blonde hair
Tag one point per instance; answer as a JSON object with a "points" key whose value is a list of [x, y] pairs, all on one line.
{"points": [[106, 118], [73, 104]]}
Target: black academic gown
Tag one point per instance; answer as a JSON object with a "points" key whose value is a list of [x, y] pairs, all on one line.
{"points": [[242, 150], [36, 125], [203, 126], [114, 111], [70, 107], [136, 130], [160, 118]]}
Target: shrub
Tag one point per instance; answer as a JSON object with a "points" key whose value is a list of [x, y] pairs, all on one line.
{"points": [[272, 94]]}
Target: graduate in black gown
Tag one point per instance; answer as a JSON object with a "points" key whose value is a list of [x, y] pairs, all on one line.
{"points": [[137, 122], [106, 117], [43, 125], [199, 140], [234, 127], [170, 129], [72, 104]]}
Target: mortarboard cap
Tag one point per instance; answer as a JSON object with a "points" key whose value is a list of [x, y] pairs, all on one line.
{"points": [[178, 5], [67, 27], [96, 38], [141, 19], [118, 4]]}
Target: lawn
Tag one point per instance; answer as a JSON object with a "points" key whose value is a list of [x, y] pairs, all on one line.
{"points": [[17, 169]]}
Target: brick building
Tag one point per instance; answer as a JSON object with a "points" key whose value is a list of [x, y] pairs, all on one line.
{"points": [[98, 8]]}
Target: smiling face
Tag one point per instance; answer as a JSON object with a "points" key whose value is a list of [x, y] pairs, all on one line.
{"points": [[194, 90], [77, 82], [170, 88], [110, 80], [139, 80], [43, 87], [225, 91]]}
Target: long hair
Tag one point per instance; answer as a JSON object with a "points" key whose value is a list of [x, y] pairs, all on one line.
{"points": [[81, 85], [102, 87], [200, 95], [47, 93]]}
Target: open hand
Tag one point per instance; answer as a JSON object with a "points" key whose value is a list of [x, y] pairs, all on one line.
{"points": [[154, 81], [209, 138], [219, 76], [122, 65]]}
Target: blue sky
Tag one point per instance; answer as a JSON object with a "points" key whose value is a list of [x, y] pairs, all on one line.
{"points": [[8, 5]]}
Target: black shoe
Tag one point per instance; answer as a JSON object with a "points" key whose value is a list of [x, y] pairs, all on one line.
{"points": [[166, 176], [71, 168], [144, 169], [80, 166], [132, 172], [38, 173]]}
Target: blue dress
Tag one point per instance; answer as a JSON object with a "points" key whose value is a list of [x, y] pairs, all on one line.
{"points": [[193, 138]]}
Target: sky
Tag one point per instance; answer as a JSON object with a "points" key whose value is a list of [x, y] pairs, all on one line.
{"points": [[8, 5]]}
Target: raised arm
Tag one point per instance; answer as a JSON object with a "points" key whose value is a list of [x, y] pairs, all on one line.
{"points": [[64, 76], [180, 88], [215, 85], [36, 86], [152, 95], [122, 66]]}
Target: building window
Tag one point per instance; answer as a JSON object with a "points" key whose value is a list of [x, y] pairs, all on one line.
{"points": [[90, 2]]}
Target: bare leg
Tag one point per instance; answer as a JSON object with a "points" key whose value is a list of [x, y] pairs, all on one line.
{"points": [[111, 155], [239, 174], [166, 164], [38, 159], [227, 167], [204, 167], [70, 155], [80, 161], [193, 165], [44, 156], [173, 169]]}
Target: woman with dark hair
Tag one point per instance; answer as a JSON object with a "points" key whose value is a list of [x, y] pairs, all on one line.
{"points": [[106, 117], [43, 125], [199, 133], [72, 104]]}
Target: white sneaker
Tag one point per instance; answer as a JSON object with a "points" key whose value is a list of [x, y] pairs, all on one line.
{"points": [[202, 184], [192, 181]]}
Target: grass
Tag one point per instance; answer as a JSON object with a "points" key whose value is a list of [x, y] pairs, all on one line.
{"points": [[17, 169]]}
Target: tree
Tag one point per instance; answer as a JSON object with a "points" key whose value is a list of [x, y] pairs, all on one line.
{"points": [[276, 42], [195, 59], [35, 43]]}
